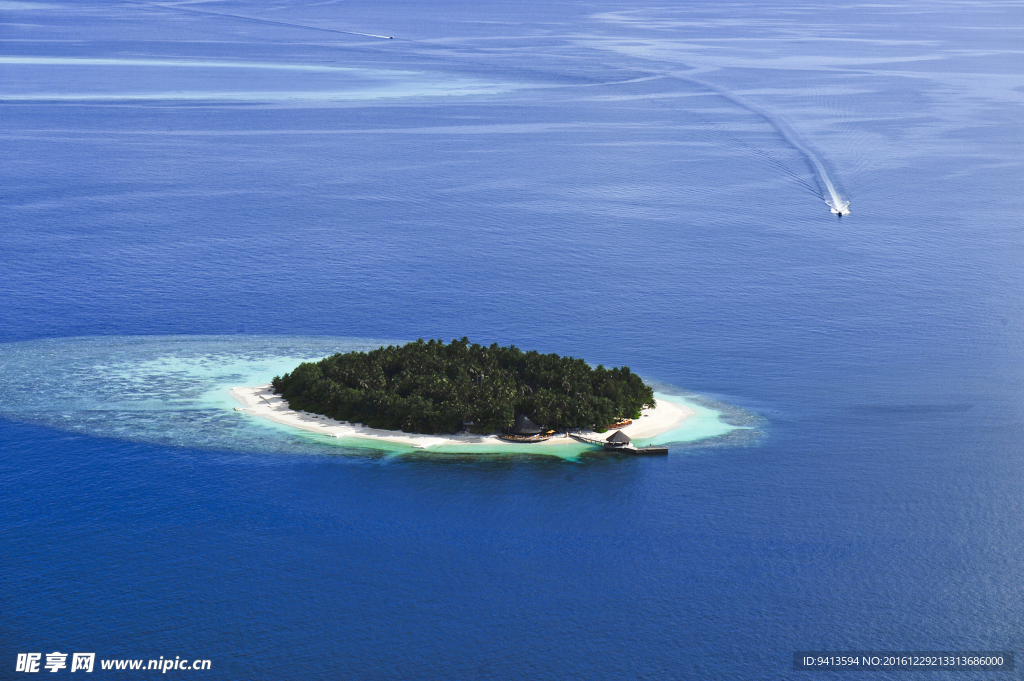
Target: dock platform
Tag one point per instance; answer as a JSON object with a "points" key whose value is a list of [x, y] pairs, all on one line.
{"points": [[631, 448]]}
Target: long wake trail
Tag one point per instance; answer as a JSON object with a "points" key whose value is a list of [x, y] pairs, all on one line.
{"points": [[269, 21], [827, 190]]}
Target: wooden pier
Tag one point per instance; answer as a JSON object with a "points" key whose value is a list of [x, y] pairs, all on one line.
{"points": [[626, 446]]}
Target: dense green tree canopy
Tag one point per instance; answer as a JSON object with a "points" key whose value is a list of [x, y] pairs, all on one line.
{"points": [[433, 387]]}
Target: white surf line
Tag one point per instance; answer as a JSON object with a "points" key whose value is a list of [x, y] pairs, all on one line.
{"points": [[836, 203], [268, 21]]}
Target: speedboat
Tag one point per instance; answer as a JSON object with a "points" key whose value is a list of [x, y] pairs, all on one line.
{"points": [[840, 210]]}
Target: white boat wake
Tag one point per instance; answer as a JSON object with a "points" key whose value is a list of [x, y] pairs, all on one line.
{"points": [[827, 190], [271, 21]]}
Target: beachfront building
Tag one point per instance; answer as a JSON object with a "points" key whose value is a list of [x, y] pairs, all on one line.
{"points": [[618, 439], [524, 427]]}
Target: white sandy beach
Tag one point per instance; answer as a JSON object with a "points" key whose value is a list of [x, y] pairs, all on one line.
{"points": [[262, 402]]}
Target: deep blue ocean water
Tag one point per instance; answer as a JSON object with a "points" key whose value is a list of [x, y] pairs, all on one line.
{"points": [[625, 182]]}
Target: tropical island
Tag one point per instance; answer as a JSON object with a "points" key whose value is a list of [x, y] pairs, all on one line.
{"points": [[429, 387], [461, 397]]}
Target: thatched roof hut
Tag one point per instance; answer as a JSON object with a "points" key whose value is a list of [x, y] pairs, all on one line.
{"points": [[524, 426], [618, 438]]}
